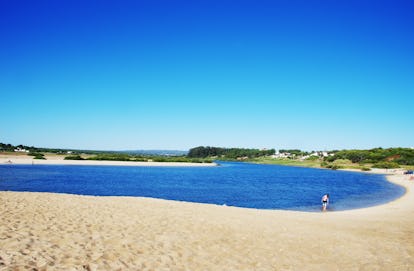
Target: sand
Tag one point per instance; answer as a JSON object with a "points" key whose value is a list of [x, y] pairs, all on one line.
{"points": [[43, 231], [59, 160]]}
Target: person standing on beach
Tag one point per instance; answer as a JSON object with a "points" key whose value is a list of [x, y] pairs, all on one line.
{"points": [[325, 202]]}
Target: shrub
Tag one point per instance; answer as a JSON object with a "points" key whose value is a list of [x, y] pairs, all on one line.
{"points": [[386, 165], [73, 157], [139, 159], [331, 166], [111, 157], [324, 164], [342, 161], [335, 167], [39, 156], [330, 158], [160, 159]]}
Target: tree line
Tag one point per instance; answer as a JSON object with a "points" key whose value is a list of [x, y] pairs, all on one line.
{"points": [[228, 153], [10, 148]]}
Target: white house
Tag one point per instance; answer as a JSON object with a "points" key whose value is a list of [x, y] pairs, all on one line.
{"points": [[20, 150]]}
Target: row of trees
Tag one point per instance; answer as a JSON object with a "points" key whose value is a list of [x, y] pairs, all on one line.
{"points": [[230, 153], [401, 156], [31, 149], [10, 147]]}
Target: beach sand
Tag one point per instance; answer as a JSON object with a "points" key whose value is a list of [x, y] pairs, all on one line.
{"points": [[43, 231]]}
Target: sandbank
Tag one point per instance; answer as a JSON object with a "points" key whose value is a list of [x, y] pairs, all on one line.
{"points": [[59, 160], [44, 231]]}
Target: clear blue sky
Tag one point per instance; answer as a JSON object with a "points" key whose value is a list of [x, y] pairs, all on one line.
{"points": [[179, 74]]}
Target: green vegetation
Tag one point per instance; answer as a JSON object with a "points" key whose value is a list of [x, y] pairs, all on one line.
{"points": [[286, 162], [111, 157], [333, 166], [6, 147], [312, 158], [386, 165], [227, 153], [37, 155], [400, 156], [74, 157], [181, 159]]}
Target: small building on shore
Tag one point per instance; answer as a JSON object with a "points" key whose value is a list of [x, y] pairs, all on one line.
{"points": [[20, 150]]}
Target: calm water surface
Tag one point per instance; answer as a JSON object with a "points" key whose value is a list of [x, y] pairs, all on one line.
{"points": [[232, 184]]}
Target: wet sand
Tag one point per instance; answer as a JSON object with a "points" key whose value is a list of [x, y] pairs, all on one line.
{"points": [[44, 231]]}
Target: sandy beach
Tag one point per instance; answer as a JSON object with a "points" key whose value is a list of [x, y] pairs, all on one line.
{"points": [[42, 231]]}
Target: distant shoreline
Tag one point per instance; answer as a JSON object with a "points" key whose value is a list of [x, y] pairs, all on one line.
{"points": [[66, 231], [59, 160]]}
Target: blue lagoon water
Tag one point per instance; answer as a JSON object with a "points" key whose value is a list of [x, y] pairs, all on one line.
{"points": [[232, 184]]}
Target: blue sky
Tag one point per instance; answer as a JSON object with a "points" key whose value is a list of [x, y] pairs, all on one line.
{"points": [[116, 75]]}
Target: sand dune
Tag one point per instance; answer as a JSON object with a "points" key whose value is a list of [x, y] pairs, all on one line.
{"points": [[41, 231]]}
